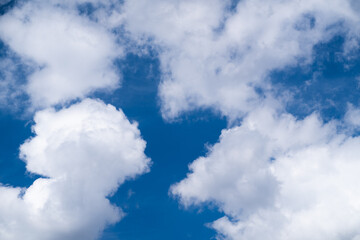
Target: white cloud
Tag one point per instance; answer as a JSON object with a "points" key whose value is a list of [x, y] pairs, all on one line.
{"points": [[74, 54], [86, 151], [213, 58], [276, 177]]}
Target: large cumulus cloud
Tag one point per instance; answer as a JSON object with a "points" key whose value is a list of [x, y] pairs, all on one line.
{"points": [[83, 154], [276, 177]]}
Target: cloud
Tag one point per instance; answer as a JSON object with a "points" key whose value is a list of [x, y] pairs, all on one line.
{"points": [[276, 177], [352, 117], [57, 52], [216, 57], [73, 54], [84, 153], [11, 87]]}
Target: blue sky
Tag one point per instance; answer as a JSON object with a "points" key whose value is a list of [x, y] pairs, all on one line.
{"points": [[179, 119], [153, 211]]}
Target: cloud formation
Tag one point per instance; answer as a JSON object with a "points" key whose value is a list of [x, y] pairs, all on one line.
{"points": [[276, 177], [72, 54], [217, 56], [84, 153]]}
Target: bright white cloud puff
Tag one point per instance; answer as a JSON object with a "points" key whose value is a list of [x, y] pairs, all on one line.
{"points": [[276, 177], [85, 152], [73, 55]]}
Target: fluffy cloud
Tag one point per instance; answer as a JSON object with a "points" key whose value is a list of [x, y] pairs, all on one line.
{"points": [[273, 176], [276, 177], [84, 153], [72, 53], [219, 58]]}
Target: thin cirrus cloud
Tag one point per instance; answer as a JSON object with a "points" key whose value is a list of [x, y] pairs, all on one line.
{"points": [[84, 153]]}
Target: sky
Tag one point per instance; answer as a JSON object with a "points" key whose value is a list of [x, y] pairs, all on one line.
{"points": [[179, 119]]}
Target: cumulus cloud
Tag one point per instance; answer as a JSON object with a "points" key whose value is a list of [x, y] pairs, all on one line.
{"points": [[219, 58], [83, 154], [73, 54], [276, 177]]}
